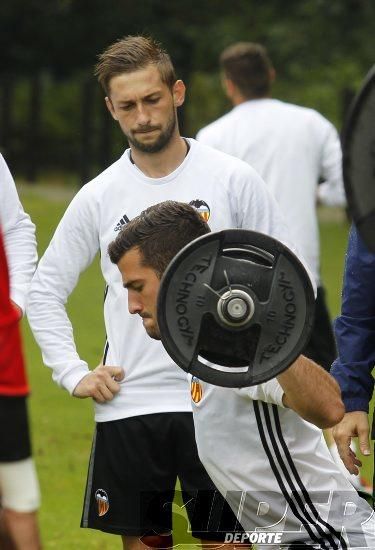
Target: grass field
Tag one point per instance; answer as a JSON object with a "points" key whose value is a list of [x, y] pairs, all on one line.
{"points": [[63, 426]]}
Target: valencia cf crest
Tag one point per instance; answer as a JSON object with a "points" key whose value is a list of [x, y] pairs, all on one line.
{"points": [[202, 207], [102, 502], [196, 389]]}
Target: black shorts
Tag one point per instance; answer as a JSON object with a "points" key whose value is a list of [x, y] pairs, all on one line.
{"points": [[134, 466], [14, 429], [322, 346]]}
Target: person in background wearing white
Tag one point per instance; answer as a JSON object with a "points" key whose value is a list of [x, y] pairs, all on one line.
{"points": [[19, 488]]}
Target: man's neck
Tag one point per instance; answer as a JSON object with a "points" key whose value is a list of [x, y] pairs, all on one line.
{"points": [[159, 165], [237, 99]]}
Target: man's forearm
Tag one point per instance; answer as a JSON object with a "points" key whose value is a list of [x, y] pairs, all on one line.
{"points": [[312, 393]]}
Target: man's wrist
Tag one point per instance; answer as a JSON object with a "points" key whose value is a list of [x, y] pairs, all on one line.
{"points": [[73, 377]]}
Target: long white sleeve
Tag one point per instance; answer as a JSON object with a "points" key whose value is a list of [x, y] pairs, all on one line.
{"points": [[19, 237], [269, 392], [71, 250], [331, 191]]}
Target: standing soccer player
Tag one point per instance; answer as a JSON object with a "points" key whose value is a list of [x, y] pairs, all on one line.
{"points": [[144, 435]]}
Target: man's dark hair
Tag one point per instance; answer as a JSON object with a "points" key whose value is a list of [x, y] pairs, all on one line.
{"points": [[248, 66], [130, 54], [159, 233]]}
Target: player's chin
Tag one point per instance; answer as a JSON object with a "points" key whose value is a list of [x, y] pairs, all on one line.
{"points": [[153, 332]]}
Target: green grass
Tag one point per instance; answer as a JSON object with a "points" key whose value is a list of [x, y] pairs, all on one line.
{"points": [[63, 426]]}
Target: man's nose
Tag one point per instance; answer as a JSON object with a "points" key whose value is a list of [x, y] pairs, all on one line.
{"points": [[134, 306], [143, 117]]}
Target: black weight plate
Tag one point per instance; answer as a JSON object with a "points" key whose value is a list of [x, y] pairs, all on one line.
{"points": [[358, 144], [192, 329]]}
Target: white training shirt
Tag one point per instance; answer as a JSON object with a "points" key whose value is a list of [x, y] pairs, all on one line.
{"points": [[233, 195], [275, 469], [19, 237], [292, 148]]}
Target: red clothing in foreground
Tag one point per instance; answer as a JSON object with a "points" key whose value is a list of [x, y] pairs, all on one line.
{"points": [[13, 380]]}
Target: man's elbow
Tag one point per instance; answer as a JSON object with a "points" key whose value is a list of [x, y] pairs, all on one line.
{"points": [[332, 415]]}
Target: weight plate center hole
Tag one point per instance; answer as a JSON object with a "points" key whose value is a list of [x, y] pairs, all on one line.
{"points": [[235, 307]]}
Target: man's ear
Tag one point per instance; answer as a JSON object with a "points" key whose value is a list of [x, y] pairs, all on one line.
{"points": [[228, 86], [110, 107], [178, 92]]}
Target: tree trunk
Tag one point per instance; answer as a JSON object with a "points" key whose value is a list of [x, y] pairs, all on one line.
{"points": [[6, 116], [33, 137], [105, 138], [85, 168]]}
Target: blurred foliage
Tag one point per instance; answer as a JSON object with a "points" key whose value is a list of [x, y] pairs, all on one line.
{"points": [[321, 50]]}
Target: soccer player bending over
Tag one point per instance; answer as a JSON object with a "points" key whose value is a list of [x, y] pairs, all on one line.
{"points": [[262, 446]]}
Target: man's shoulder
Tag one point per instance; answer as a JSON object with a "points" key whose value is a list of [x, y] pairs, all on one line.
{"points": [[212, 129], [256, 111], [4, 169], [304, 113], [221, 161], [109, 177]]}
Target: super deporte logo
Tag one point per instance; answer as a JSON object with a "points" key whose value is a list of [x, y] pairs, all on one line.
{"points": [[254, 537]]}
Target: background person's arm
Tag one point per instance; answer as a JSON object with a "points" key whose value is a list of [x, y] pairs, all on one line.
{"points": [[355, 338], [331, 190], [19, 239], [355, 327]]}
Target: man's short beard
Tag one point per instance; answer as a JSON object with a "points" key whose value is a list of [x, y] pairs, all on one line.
{"points": [[161, 142], [154, 333]]}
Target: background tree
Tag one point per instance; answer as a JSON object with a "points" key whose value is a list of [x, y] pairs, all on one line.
{"points": [[52, 113]]}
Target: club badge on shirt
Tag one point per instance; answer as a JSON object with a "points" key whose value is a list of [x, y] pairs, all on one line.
{"points": [[202, 207], [102, 501], [196, 390]]}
